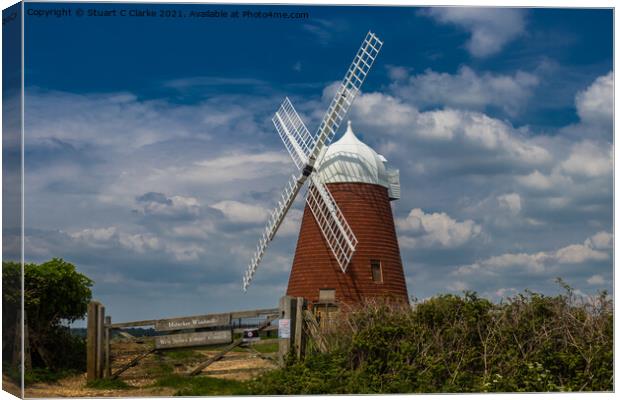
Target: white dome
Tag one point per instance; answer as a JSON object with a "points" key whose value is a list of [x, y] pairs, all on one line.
{"points": [[351, 160]]}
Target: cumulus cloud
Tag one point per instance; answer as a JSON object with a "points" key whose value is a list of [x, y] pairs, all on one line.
{"points": [[466, 89], [600, 241], [475, 130], [510, 202], [124, 122], [153, 203], [595, 107], [535, 180], [595, 104], [490, 28], [589, 160], [458, 286], [435, 230], [240, 212], [112, 237], [595, 280], [539, 262]]}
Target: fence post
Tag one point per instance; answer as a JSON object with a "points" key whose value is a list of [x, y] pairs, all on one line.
{"points": [[299, 342], [287, 305], [91, 341], [100, 339], [107, 368]]}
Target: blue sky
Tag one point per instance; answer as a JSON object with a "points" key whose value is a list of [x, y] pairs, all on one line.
{"points": [[151, 162]]}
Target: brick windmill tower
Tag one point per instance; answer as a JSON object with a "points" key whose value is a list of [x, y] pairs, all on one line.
{"points": [[347, 249], [363, 186]]}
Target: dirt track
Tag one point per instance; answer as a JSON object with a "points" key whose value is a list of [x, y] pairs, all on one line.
{"points": [[237, 365]]}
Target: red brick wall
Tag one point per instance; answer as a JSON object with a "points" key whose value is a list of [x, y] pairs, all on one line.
{"points": [[367, 209]]}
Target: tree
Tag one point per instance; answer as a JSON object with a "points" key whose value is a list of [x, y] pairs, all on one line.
{"points": [[55, 295]]}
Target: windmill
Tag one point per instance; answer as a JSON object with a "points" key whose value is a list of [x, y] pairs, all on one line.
{"points": [[309, 152]]}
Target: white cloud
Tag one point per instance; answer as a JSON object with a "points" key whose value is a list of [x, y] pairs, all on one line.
{"points": [[510, 202], [540, 262], [466, 89], [490, 28], [541, 182], [535, 180], [596, 280], [600, 241], [95, 235], [458, 286], [595, 104], [479, 132], [435, 230], [112, 237], [595, 110], [589, 160], [158, 204], [238, 166], [239, 212], [502, 292], [579, 253], [214, 178]]}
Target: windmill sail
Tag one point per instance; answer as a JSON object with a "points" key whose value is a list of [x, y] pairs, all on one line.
{"points": [[275, 220], [293, 132], [346, 93], [306, 150], [333, 225]]}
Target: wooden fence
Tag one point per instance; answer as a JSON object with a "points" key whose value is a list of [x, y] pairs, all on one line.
{"points": [[290, 320]]}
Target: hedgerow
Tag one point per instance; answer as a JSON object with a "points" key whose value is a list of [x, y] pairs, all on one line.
{"points": [[527, 343]]}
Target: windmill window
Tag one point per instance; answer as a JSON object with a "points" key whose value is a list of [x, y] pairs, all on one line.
{"points": [[377, 272], [327, 295]]}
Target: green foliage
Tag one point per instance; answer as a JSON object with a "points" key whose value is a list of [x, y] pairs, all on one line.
{"points": [[36, 375], [108, 384], [447, 344], [265, 347], [182, 354], [55, 294], [202, 386]]}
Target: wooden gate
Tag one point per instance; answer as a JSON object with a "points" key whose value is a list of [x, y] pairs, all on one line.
{"points": [[114, 348], [292, 326]]}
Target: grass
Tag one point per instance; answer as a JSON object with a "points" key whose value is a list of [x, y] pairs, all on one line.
{"points": [[202, 386], [46, 375], [181, 354], [265, 347], [161, 368], [107, 384]]}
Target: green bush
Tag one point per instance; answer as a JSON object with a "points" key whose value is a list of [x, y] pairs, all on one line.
{"points": [[447, 344], [55, 295]]}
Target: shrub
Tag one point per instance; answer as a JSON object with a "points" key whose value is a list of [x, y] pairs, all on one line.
{"points": [[55, 295], [531, 342]]}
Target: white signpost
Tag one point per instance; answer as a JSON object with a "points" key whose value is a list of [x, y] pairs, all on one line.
{"points": [[201, 321], [284, 328]]}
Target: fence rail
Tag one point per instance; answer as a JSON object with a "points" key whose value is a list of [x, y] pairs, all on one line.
{"points": [[191, 331], [233, 316]]}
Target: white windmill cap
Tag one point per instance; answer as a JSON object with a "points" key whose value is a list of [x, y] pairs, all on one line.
{"points": [[351, 160]]}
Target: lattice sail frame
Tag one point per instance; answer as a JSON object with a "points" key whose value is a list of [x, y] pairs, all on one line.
{"points": [[348, 90], [306, 151], [294, 134], [333, 225]]}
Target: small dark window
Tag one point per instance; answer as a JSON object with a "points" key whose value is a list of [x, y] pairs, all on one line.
{"points": [[377, 273]]}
